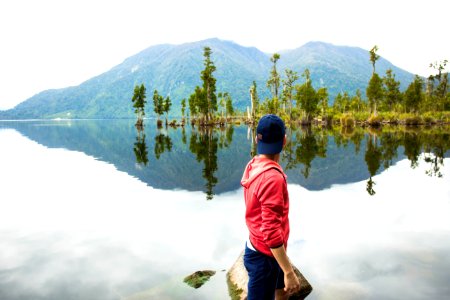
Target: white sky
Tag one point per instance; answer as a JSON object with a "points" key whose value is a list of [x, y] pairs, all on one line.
{"points": [[58, 43]]}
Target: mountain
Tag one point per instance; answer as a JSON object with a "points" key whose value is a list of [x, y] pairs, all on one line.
{"points": [[174, 70]]}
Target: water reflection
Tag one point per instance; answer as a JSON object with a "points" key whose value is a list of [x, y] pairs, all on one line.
{"points": [[140, 148], [211, 160], [163, 143], [121, 240]]}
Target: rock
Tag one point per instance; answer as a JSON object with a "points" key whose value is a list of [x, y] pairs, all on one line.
{"points": [[237, 280], [198, 278]]}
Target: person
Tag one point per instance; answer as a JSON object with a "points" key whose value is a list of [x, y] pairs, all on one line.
{"points": [[270, 272]]}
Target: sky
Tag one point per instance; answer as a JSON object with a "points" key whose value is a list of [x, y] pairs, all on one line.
{"points": [[50, 44]]}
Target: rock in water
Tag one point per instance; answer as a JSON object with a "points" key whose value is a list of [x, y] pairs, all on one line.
{"points": [[198, 278], [237, 280]]}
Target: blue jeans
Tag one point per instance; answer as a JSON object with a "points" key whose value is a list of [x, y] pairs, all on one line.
{"points": [[264, 275]]}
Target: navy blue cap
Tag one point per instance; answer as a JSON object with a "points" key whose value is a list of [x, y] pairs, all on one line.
{"points": [[270, 134]]}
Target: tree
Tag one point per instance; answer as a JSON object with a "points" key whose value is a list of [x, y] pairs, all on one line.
{"points": [[288, 86], [274, 80], [139, 102], [438, 93], [209, 85], [254, 100], [307, 97], [158, 104], [374, 57], [374, 92], [413, 95], [392, 94], [229, 111], [322, 95], [373, 158], [357, 102], [183, 107], [193, 105], [167, 105], [222, 101]]}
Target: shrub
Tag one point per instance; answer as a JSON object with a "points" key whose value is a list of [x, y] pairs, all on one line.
{"points": [[414, 120], [347, 120], [375, 120], [361, 116], [390, 117]]}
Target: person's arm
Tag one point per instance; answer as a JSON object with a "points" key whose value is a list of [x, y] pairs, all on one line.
{"points": [[291, 282]]}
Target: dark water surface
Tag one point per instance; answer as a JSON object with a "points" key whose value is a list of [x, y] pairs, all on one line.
{"points": [[97, 210]]}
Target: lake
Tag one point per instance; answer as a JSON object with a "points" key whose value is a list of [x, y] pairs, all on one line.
{"points": [[93, 209]]}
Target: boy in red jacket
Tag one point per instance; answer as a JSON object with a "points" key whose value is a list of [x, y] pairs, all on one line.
{"points": [[267, 206]]}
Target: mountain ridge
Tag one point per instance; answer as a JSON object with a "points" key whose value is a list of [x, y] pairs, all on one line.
{"points": [[174, 70]]}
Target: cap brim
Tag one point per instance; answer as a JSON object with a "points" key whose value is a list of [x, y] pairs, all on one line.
{"points": [[266, 148]]}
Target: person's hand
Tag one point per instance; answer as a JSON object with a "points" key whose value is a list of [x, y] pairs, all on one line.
{"points": [[291, 283]]}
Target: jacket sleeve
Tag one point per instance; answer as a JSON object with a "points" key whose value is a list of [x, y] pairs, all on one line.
{"points": [[271, 198]]}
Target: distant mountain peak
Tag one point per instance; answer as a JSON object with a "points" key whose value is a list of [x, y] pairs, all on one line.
{"points": [[175, 70]]}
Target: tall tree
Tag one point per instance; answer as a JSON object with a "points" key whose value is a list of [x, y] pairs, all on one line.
{"points": [[413, 95], [274, 80], [139, 101], [209, 84], [229, 110], [322, 95], [183, 108], [357, 102], [158, 104], [374, 92], [193, 107], [374, 57], [254, 100], [306, 96], [392, 94], [288, 86], [167, 105], [439, 90]]}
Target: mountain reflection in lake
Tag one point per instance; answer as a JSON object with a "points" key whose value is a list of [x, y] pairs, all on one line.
{"points": [[98, 210]]}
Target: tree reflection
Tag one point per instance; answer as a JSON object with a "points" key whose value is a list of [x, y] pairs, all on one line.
{"points": [[163, 143], [413, 146], [435, 147], [204, 143], [373, 159], [389, 143], [308, 146], [140, 148]]}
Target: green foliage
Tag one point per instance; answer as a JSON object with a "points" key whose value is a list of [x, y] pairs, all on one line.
{"points": [[347, 120], [139, 101], [288, 86], [375, 120], [254, 99], [183, 107], [322, 95], [274, 80], [167, 105], [158, 103], [229, 106], [392, 94], [374, 92], [414, 95], [198, 278], [306, 97], [374, 56], [209, 107], [390, 117]]}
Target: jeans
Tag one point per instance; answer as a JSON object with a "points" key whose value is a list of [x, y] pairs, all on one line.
{"points": [[264, 275]]}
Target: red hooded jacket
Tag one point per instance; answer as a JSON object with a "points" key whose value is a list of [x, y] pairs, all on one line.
{"points": [[267, 204]]}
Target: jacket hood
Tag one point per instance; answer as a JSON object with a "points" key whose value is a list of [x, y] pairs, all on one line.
{"points": [[257, 166]]}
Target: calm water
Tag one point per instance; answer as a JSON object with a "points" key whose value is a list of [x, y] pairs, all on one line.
{"points": [[96, 210]]}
